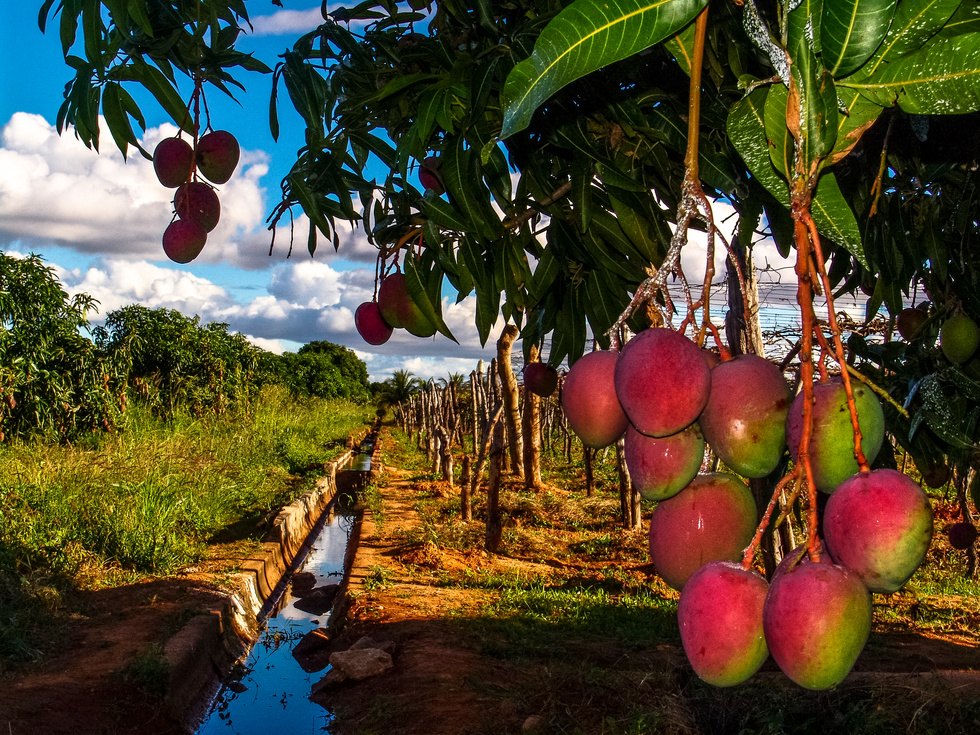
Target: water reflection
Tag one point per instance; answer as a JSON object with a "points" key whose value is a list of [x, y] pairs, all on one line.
{"points": [[270, 692]]}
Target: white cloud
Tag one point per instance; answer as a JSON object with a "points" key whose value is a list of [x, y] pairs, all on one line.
{"points": [[286, 22], [295, 22]]}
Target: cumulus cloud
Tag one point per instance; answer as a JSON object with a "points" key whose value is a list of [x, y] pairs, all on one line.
{"points": [[54, 190], [294, 22], [286, 22], [306, 301]]}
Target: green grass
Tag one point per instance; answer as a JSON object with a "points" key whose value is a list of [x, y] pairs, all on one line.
{"points": [[149, 500]]}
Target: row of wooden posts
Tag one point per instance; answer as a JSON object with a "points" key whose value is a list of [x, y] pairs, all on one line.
{"points": [[506, 426]]}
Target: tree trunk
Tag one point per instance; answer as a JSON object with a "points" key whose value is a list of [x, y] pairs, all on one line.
{"points": [[531, 426], [628, 505], [445, 455], [508, 385], [742, 329], [465, 496], [588, 453], [494, 525], [481, 458], [762, 490]]}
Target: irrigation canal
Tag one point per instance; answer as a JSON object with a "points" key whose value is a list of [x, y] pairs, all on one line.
{"points": [[268, 692]]}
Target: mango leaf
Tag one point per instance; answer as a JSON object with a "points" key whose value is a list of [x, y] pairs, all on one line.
{"points": [[747, 131], [834, 217], [444, 214], [943, 78], [545, 272], [607, 298], [857, 115], [831, 212], [850, 31], [586, 36], [915, 22], [682, 48], [464, 182], [966, 19], [780, 142], [818, 107], [117, 119], [804, 25], [424, 289]]}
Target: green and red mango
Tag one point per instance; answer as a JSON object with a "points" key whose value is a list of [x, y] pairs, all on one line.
{"points": [[712, 519], [744, 420], [589, 399], [832, 442], [879, 524], [662, 381], [660, 467], [816, 619], [720, 619]]}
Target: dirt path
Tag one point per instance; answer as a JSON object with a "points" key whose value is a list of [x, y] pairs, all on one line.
{"points": [[396, 597], [86, 689]]}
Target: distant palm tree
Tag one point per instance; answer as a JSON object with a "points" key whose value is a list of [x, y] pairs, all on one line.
{"points": [[401, 386], [456, 379]]}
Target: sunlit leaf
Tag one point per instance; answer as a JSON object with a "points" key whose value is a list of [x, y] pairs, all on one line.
{"points": [[584, 37], [850, 31], [943, 78]]}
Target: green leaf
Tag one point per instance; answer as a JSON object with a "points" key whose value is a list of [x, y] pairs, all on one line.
{"points": [[586, 36], [137, 11], [966, 19], [834, 217], [403, 82], [116, 118], [545, 273], [915, 22], [935, 246], [607, 298], [424, 287], [857, 115], [850, 31], [818, 108], [162, 89], [444, 214], [747, 131], [681, 47], [487, 297], [464, 183], [779, 141], [943, 78], [831, 212], [804, 25]]}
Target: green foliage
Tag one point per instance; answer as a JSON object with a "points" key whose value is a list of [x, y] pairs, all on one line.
{"points": [[143, 43], [177, 362], [580, 40], [54, 383], [325, 370]]}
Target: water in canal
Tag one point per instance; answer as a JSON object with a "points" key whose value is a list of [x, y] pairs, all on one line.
{"points": [[270, 692]]}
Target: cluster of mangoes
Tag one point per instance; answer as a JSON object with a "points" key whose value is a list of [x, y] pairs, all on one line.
{"points": [[215, 155], [663, 393], [394, 309]]}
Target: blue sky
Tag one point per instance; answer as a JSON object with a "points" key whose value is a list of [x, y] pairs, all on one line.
{"points": [[98, 220]]}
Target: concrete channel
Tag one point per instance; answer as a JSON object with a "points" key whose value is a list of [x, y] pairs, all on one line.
{"points": [[232, 670]]}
